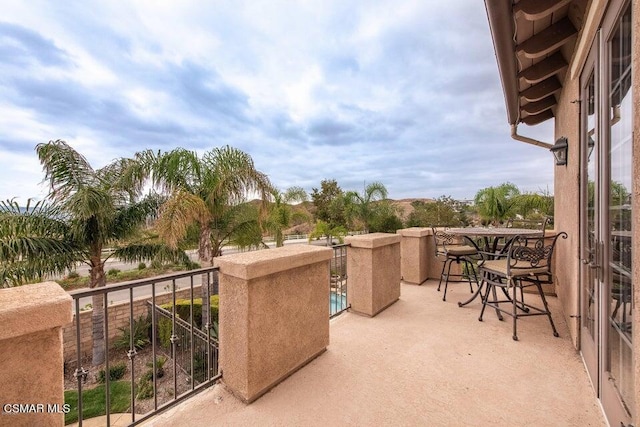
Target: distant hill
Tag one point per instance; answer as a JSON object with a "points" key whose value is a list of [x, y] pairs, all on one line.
{"points": [[307, 208], [406, 208]]}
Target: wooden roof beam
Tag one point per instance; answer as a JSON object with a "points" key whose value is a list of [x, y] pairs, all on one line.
{"points": [[532, 10], [547, 40], [542, 89], [544, 69], [538, 107], [537, 118]]}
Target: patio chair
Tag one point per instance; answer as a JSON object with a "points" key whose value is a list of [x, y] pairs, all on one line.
{"points": [[527, 263], [449, 249]]}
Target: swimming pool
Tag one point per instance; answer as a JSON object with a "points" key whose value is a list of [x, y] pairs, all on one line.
{"points": [[337, 303]]}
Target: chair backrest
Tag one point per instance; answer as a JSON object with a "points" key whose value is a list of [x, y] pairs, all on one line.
{"points": [[440, 240], [527, 253], [443, 240]]}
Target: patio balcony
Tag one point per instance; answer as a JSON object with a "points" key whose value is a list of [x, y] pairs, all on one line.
{"points": [[421, 361], [399, 356]]}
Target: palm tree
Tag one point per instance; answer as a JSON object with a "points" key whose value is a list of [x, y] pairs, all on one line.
{"points": [[87, 210], [210, 193], [362, 204], [534, 204], [496, 204], [280, 212]]}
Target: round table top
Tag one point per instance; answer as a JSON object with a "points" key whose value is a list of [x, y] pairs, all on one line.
{"points": [[493, 231]]}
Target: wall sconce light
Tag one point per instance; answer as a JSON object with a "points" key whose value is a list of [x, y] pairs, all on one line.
{"points": [[560, 150]]}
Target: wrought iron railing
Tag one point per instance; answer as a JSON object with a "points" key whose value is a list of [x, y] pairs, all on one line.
{"points": [[197, 341], [189, 350], [338, 281]]}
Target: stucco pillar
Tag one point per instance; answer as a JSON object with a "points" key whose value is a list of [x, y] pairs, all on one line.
{"points": [[373, 271], [274, 315], [31, 320], [416, 247]]}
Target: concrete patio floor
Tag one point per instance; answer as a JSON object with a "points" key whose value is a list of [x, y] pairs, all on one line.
{"points": [[421, 362]]}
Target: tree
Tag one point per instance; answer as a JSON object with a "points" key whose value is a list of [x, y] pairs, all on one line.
{"points": [[280, 212], [444, 211], [86, 211], [385, 218], [363, 204], [329, 202], [324, 229], [496, 204], [530, 205], [209, 192]]}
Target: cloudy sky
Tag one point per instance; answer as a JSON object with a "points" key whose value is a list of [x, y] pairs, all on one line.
{"points": [[402, 92]]}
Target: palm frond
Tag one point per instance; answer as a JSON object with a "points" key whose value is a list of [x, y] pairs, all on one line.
{"points": [[128, 219], [34, 241], [232, 175], [66, 170], [239, 225], [178, 169], [125, 178], [150, 251], [295, 194], [177, 213]]}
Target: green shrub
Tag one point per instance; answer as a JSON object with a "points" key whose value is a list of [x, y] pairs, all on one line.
{"points": [[192, 265], [164, 332], [113, 272], [183, 311], [160, 361], [73, 275], [156, 264], [144, 389], [141, 329], [142, 266], [199, 367], [116, 372]]}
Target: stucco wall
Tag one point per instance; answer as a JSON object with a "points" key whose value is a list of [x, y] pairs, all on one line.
{"points": [[274, 315], [414, 259], [31, 354], [567, 202], [373, 268]]}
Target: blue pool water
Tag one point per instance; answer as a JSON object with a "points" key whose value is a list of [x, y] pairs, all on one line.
{"points": [[336, 303]]}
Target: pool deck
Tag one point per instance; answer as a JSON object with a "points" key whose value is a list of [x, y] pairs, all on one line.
{"points": [[422, 361]]}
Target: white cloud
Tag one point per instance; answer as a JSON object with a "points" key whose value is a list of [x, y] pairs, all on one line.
{"points": [[400, 92]]}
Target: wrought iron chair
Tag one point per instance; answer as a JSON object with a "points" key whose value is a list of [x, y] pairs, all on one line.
{"points": [[450, 250], [527, 263]]}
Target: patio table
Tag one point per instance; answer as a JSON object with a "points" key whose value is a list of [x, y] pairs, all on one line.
{"points": [[491, 237]]}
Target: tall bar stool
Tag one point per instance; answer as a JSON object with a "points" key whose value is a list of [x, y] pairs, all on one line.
{"points": [[449, 249]]}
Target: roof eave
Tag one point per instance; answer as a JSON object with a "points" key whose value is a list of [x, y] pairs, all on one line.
{"points": [[500, 15]]}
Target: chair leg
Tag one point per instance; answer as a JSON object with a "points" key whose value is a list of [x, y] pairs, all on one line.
{"points": [[485, 298], [495, 298], [469, 267], [546, 308], [515, 310], [446, 283], [444, 265]]}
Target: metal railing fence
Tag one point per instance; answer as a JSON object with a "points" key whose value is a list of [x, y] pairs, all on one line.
{"points": [[162, 399], [338, 281]]}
